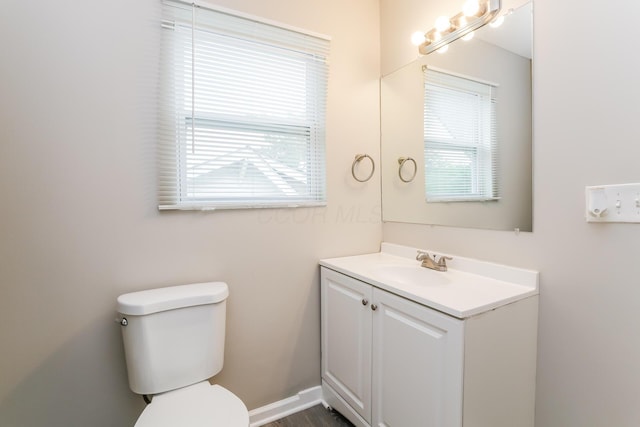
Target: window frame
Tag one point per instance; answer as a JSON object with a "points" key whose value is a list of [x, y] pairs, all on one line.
{"points": [[174, 163]]}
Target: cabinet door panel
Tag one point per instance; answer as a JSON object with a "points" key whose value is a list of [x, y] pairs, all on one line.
{"points": [[417, 365], [346, 339]]}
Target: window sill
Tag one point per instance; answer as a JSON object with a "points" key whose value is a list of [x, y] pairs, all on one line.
{"points": [[459, 199], [215, 207]]}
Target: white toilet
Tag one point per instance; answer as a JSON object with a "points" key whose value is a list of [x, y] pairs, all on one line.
{"points": [[174, 342]]}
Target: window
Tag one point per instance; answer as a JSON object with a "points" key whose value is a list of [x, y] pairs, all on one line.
{"points": [[460, 145], [241, 112]]}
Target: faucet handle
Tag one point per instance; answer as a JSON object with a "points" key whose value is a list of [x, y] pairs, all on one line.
{"points": [[442, 261], [422, 255]]}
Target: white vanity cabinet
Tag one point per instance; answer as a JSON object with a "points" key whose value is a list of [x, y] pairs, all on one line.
{"points": [[389, 361], [394, 362]]}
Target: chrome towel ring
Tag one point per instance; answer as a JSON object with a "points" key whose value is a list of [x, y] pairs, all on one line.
{"points": [[357, 160], [401, 162]]}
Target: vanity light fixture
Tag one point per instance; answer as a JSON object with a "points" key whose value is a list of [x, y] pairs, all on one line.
{"points": [[475, 14]]}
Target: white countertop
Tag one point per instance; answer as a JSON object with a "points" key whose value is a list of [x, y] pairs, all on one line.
{"points": [[468, 288]]}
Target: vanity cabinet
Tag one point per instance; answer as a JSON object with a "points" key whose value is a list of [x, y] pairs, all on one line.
{"points": [[389, 361]]}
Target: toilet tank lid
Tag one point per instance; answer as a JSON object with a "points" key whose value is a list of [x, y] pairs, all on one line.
{"points": [[172, 297]]}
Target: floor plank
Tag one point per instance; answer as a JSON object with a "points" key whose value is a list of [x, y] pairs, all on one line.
{"points": [[316, 416]]}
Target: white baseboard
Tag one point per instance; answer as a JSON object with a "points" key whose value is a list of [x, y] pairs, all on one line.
{"points": [[274, 411]]}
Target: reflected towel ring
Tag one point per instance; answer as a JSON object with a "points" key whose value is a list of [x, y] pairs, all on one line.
{"points": [[357, 160], [401, 162]]}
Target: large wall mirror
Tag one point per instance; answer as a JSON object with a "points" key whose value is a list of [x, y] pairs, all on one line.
{"points": [[500, 58]]}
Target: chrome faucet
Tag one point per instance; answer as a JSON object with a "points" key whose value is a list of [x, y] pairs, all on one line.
{"points": [[429, 261]]}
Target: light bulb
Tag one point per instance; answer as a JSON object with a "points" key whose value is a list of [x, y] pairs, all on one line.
{"points": [[471, 7], [497, 22], [442, 24], [469, 36], [417, 38], [443, 49]]}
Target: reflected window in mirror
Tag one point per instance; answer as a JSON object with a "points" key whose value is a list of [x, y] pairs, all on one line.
{"points": [[460, 138]]}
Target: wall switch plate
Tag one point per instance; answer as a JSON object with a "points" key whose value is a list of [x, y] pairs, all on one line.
{"points": [[613, 203]]}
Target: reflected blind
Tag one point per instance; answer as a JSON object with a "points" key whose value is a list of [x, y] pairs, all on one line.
{"points": [[242, 112], [460, 144]]}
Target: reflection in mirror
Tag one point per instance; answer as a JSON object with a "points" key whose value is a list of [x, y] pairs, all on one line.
{"points": [[500, 58]]}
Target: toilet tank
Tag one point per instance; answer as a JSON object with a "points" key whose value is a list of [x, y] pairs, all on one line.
{"points": [[174, 336]]}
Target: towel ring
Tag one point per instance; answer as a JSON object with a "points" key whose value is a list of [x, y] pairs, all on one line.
{"points": [[401, 162], [357, 160]]}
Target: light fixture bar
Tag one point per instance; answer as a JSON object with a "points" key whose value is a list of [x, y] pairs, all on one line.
{"points": [[461, 25]]}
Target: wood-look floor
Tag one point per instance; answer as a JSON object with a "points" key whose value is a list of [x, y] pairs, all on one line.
{"points": [[316, 416]]}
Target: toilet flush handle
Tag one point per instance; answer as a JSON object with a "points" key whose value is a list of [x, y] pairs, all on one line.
{"points": [[123, 321]]}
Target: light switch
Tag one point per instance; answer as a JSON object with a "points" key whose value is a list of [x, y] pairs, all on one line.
{"points": [[613, 203]]}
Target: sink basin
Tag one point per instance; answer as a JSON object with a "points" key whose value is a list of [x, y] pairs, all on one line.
{"points": [[411, 275]]}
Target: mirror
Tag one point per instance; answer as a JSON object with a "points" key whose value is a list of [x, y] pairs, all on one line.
{"points": [[501, 56]]}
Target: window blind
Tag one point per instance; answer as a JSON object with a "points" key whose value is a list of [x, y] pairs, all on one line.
{"points": [[460, 138], [242, 112]]}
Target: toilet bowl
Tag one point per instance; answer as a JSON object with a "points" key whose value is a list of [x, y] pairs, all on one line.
{"points": [[197, 405], [174, 342]]}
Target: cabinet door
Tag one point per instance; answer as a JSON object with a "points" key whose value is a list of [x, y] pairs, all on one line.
{"points": [[346, 339], [417, 365]]}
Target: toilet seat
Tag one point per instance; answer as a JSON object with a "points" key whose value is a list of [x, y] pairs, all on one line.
{"points": [[198, 405]]}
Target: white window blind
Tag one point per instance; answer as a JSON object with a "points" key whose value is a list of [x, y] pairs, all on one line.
{"points": [[242, 112], [460, 138]]}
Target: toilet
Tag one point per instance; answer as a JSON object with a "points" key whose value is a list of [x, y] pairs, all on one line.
{"points": [[174, 342]]}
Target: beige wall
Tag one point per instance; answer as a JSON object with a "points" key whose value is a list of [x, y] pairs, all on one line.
{"points": [[78, 223], [585, 133]]}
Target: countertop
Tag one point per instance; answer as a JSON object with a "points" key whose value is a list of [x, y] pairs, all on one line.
{"points": [[468, 288]]}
